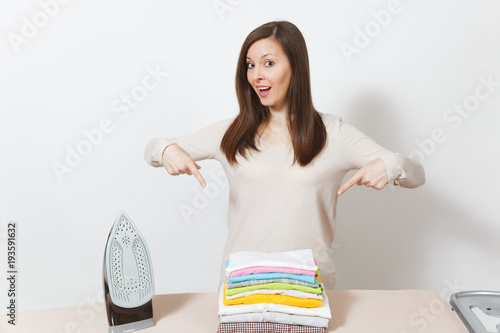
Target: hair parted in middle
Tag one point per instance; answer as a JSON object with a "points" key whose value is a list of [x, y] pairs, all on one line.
{"points": [[307, 130]]}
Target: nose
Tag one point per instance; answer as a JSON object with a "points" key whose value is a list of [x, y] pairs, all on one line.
{"points": [[257, 74]]}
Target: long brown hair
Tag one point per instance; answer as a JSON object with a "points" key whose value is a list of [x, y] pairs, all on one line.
{"points": [[307, 131]]}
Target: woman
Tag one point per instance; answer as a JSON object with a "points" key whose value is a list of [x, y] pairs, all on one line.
{"points": [[284, 160]]}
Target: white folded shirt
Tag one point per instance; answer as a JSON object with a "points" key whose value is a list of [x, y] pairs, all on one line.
{"points": [[301, 259], [275, 317], [322, 311]]}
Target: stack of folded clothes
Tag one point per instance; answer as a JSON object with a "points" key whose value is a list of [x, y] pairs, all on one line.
{"points": [[273, 292]]}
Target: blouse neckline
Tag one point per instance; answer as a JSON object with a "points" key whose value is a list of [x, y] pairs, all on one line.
{"points": [[270, 144]]}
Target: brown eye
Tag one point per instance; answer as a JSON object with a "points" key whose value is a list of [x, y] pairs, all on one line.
{"points": [[250, 65]]}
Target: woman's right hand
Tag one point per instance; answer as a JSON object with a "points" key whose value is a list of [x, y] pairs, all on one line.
{"points": [[177, 161]]}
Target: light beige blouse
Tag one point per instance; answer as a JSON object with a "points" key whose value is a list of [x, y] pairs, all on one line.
{"points": [[274, 206]]}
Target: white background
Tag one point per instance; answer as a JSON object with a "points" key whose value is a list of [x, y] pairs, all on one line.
{"points": [[66, 77]]}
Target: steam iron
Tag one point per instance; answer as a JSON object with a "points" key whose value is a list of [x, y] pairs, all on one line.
{"points": [[128, 278], [478, 310]]}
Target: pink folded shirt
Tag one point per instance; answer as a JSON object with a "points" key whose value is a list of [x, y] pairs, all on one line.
{"points": [[265, 269]]}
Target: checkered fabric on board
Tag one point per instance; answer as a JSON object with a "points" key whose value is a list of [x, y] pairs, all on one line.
{"points": [[267, 328]]}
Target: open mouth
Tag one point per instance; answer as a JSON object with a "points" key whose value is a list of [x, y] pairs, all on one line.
{"points": [[263, 91]]}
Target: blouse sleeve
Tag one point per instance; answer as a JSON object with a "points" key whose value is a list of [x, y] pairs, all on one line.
{"points": [[200, 145], [359, 150]]}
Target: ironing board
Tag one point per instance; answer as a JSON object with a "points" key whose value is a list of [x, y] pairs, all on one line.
{"points": [[353, 311]]}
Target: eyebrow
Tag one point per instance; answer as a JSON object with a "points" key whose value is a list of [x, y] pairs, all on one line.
{"points": [[265, 55]]}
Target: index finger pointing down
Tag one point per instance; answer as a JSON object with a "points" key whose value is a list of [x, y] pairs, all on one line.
{"points": [[197, 174], [350, 182]]}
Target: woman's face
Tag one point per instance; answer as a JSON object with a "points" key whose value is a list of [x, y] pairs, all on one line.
{"points": [[269, 73]]}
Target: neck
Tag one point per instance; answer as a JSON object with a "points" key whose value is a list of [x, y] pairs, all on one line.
{"points": [[278, 116]]}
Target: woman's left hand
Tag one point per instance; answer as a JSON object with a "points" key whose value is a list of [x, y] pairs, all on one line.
{"points": [[373, 175]]}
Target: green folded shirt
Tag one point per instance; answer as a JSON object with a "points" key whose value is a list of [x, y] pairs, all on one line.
{"points": [[274, 285]]}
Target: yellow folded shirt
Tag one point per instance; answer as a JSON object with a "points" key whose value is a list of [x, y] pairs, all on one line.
{"points": [[272, 298]]}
